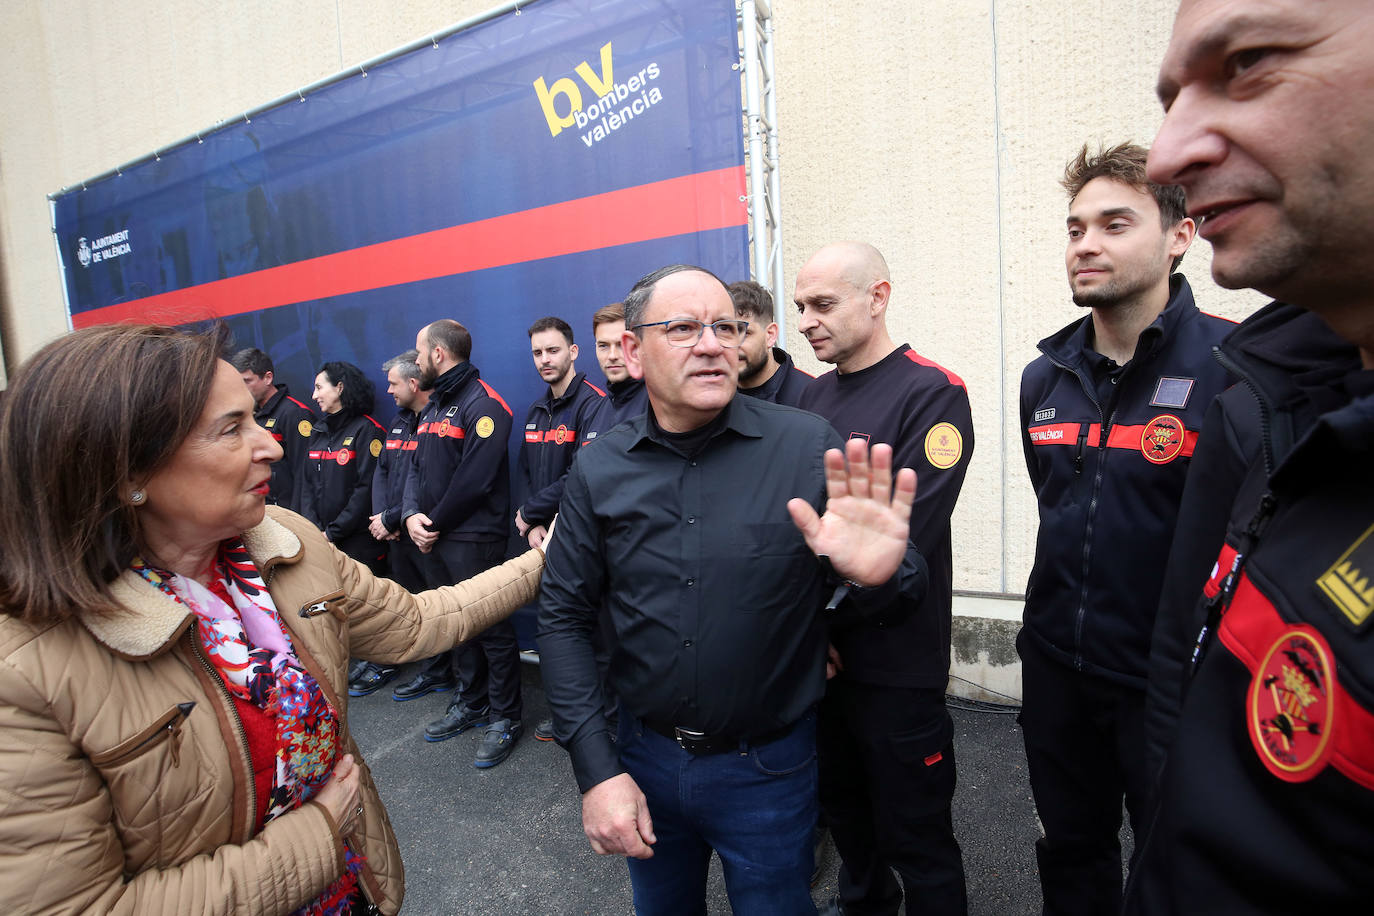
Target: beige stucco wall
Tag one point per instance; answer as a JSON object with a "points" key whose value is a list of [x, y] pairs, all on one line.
{"points": [[935, 130]]}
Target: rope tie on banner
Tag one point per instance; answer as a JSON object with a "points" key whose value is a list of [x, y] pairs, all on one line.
{"points": [[198, 139], [157, 157], [434, 41], [362, 71], [299, 95], [246, 119], [517, 9]]}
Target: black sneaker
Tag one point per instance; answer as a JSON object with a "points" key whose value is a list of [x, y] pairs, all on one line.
{"points": [[458, 718], [544, 730], [420, 685], [371, 679], [497, 742]]}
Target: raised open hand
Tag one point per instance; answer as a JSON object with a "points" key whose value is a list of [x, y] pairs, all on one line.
{"points": [[865, 525]]}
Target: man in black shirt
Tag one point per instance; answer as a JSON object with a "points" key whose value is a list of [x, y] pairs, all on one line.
{"points": [[288, 420], [886, 738], [683, 524]]}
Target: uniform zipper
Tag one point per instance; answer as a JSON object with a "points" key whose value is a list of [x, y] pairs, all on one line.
{"points": [[1081, 614], [1218, 604]]}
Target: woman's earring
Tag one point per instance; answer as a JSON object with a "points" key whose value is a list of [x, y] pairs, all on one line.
{"points": [[137, 497]]}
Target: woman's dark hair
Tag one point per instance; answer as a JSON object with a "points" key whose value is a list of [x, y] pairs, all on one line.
{"points": [[87, 419], [359, 396]]}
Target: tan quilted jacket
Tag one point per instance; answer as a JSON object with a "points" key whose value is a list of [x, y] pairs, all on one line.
{"points": [[124, 774]]}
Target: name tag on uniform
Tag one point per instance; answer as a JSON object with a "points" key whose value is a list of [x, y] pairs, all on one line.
{"points": [[1046, 414], [1172, 392]]}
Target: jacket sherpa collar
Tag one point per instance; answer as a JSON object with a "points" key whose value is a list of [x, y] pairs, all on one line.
{"points": [[152, 623]]}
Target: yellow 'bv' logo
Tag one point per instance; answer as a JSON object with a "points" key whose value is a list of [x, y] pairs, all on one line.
{"points": [[632, 97], [1346, 583]]}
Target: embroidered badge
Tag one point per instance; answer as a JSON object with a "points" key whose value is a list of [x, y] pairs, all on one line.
{"points": [[1289, 705], [1046, 414], [1346, 584], [1172, 392], [304, 427], [560, 435], [443, 428], [344, 456], [944, 446], [1162, 439], [375, 448], [485, 427]]}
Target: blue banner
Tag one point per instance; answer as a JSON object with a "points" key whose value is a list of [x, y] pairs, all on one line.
{"points": [[537, 164]]}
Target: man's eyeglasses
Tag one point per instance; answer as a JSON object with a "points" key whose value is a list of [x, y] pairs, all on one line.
{"points": [[685, 332]]}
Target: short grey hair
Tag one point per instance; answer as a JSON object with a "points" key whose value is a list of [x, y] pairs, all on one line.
{"points": [[637, 302], [407, 363]]}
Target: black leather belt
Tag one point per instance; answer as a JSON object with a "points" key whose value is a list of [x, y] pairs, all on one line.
{"points": [[695, 742]]}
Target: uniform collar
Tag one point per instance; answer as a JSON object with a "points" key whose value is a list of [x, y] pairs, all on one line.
{"points": [[1067, 344]]}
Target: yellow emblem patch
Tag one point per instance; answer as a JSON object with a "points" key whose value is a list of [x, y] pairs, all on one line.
{"points": [[944, 446], [485, 427], [375, 448], [1347, 583], [271, 422], [304, 427]]}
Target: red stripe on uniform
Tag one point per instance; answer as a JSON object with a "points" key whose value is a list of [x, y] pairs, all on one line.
{"points": [[454, 430], [491, 393], [1249, 629], [662, 209], [1054, 434], [922, 361]]}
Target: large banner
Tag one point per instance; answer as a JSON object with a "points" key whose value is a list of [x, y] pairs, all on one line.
{"points": [[537, 164]]}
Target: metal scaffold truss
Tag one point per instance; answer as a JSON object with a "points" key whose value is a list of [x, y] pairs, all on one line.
{"points": [[761, 151]]}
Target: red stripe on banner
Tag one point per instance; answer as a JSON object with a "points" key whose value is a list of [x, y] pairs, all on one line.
{"points": [[661, 209]]}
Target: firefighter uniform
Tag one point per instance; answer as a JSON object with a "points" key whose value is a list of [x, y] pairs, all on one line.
{"points": [[291, 423]]}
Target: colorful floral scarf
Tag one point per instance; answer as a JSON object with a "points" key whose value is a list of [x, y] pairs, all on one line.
{"points": [[244, 639]]}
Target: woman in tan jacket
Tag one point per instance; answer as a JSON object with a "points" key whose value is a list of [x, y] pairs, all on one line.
{"points": [[173, 734]]}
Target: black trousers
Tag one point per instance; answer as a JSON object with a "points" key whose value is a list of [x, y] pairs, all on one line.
{"points": [[887, 780], [1085, 746], [487, 668], [404, 561]]}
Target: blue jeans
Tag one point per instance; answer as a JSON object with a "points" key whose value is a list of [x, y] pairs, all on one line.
{"points": [[756, 807]]}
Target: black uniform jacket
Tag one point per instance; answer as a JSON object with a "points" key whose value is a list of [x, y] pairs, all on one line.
{"points": [[715, 600], [1107, 462], [625, 400], [922, 411], [1267, 798], [1287, 350], [460, 477], [290, 422], [554, 431], [785, 386], [389, 481], [338, 482]]}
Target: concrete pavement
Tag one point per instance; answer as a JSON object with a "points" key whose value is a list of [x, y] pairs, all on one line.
{"points": [[508, 840]]}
